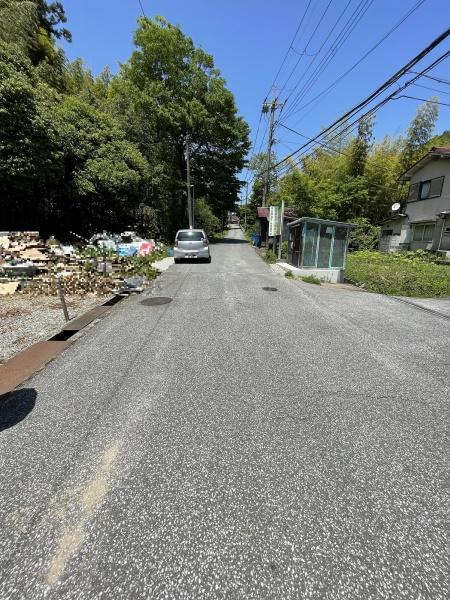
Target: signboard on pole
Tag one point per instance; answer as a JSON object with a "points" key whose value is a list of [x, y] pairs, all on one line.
{"points": [[274, 221]]}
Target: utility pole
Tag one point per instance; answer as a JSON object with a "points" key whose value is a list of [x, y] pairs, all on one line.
{"points": [[269, 107], [193, 205], [246, 203], [281, 228], [188, 182]]}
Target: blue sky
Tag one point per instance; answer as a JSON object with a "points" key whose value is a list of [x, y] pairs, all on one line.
{"points": [[249, 38]]}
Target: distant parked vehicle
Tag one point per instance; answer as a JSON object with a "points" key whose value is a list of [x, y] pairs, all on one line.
{"points": [[191, 243]]}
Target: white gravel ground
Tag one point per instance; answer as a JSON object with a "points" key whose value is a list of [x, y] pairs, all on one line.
{"points": [[25, 320]]}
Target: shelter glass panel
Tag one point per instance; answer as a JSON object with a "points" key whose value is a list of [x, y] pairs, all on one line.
{"points": [[296, 246], [326, 240], [311, 235], [340, 244]]}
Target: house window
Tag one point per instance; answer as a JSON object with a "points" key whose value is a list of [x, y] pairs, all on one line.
{"points": [[413, 192], [387, 232], [425, 189], [424, 232], [432, 188]]}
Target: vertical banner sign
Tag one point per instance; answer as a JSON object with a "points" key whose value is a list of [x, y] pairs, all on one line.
{"points": [[274, 221]]}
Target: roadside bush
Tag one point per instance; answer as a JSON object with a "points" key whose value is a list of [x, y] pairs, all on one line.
{"points": [[143, 265], [205, 218], [270, 257], [412, 274], [311, 279], [365, 236], [289, 274]]}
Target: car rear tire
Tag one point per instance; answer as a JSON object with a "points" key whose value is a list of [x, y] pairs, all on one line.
{"points": [[177, 261], [208, 260]]}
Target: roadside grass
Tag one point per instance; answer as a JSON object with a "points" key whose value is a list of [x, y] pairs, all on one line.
{"points": [[305, 278], [414, 274], [270, 257], [217, 236], [311, 279]]}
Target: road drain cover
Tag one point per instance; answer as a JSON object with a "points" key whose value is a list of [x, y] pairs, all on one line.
{"points": [[270, 289], [157, 301]]}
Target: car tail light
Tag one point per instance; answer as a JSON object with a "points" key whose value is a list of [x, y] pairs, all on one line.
{"points": [[176, 244], [205, 242]]}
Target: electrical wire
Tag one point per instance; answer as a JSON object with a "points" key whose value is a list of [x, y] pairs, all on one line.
{"points": [[352, 126], [289, 49], [254, 144], [142, 9], [382, 88], [336, 151], [422, 99], [307, 44], [444, 81], [332, 51], [254, 152], [426, 87], [358, 62]]}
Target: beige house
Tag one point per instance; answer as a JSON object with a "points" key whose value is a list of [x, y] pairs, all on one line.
{"points": [[425, 221]]}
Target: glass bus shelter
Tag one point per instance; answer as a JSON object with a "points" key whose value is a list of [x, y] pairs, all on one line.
{"points": [[318, 244]]}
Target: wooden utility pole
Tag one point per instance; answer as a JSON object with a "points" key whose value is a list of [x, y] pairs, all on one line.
{"points": [[246, 206], [281, 229], [269, 107], [188, 182]]}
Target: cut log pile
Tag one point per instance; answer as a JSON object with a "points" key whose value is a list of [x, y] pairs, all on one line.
{"points": [[31, 266], [75, 284]]}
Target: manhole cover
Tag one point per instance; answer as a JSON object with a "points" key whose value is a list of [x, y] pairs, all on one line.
{"points": [[270, 289], [157, 301]]}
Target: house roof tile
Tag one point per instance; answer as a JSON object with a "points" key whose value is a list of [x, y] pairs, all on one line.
{"points": [[435, 152]]}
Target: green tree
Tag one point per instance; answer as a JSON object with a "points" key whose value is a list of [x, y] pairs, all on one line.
{"points": [[30, 160], [169, 93], [33, 26], [359, 147], [298, 191], [205, 218], [105, 176], [419, 133], [381, 175]]}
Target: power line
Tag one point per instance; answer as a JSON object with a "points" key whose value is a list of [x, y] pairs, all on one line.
{"points": [[426, 87], [289, 48], [439, 80], [393, 96], [335, 150], [254, 144], [254, 152], [374, 47], [307, 44], [422, 99], [330, 54], [142, 9], [385, 86], [312, 140]]}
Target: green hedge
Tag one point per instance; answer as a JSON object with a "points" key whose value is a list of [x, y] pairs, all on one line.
{"points": [[412, 274]]}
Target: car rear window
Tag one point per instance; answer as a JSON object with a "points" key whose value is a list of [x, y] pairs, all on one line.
{"points": [[190, 236]]}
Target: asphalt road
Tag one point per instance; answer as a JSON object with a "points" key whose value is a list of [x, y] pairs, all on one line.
{"points": [[235, 443]]}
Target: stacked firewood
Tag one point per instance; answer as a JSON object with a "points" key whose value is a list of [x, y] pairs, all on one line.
{"points": [[74, 283]]}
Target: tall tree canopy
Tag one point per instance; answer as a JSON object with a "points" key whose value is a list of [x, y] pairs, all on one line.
{"points": [[169, 95], [80, 152]]}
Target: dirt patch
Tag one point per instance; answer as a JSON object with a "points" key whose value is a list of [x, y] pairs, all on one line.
{"points": [[26, 320], [14, 311]]}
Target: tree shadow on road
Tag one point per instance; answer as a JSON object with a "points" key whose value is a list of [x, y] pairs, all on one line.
{"points": [[231, 241], [15, 406]]}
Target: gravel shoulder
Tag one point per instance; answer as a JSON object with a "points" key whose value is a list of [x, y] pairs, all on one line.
{"points": [[26, 320]]}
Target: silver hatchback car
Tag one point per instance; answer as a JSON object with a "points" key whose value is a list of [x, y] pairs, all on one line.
{"points": [[191, 243]]}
